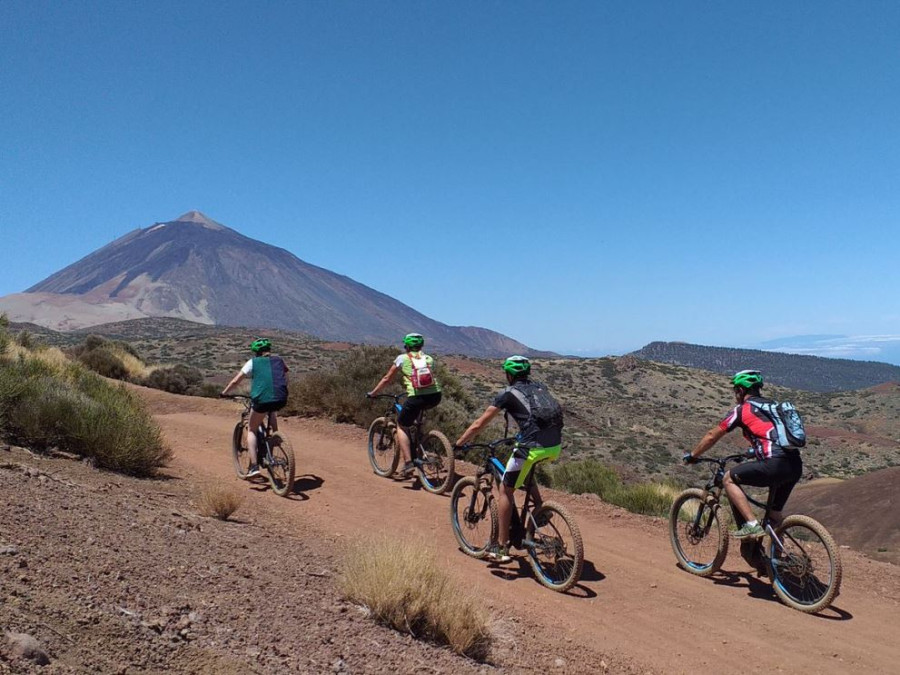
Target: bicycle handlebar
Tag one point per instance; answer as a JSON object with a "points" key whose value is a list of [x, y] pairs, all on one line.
{"points": [[490, 447], [396, 397]]}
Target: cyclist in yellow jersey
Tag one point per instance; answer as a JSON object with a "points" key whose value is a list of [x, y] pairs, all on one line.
{"points": [[422, 388]]}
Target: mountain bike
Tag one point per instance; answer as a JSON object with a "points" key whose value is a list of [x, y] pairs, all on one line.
{"points": [[273, 451], [543, 529], [799, 555], [432, 454]]}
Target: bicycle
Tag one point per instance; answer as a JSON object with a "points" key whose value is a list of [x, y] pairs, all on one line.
{"points": [[274, 452], [798, 555], [432, 454], [543, 529]]}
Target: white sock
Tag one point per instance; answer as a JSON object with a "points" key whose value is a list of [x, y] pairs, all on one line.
{"points": [[752, 523]]}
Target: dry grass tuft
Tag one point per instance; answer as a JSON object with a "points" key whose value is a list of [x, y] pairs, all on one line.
{"points": [[219, 501], [403, 587]]}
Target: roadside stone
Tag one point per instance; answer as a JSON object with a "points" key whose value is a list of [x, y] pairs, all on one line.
{"points": [[9, 550], [25, 646]]}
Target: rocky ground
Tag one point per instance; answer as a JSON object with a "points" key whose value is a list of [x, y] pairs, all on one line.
{"points": [[114, 575]]}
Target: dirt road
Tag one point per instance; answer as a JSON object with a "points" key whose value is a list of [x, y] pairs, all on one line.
{"points": [[634, 609]]}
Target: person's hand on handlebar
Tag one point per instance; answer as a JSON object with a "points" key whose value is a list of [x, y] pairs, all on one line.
{"points": [[688, 458]]}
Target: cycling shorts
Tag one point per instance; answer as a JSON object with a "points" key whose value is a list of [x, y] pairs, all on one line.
{"points": [[779, 474], [271, 406], [521, 462], [414, 405]]}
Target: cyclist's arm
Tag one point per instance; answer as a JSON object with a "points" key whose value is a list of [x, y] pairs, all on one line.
{"points": [[234, 382], [479, 424], [385, 381], [710, 439]]}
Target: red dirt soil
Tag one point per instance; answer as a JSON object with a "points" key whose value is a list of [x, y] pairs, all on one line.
{"points": [[634, 610]]}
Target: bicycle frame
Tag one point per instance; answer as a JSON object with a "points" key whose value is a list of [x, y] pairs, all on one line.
{"points": [[415, 430], [715, 486]]}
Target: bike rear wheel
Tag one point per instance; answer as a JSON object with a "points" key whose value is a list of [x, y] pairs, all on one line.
{"points": [[806, 573], [282, 467], [382, 447], [239, 453], [697, 533], [473, 515], [435, 468], [554, 546]]}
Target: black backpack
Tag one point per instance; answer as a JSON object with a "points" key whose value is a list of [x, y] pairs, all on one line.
{"points": [[545, 411], [787, 421]]}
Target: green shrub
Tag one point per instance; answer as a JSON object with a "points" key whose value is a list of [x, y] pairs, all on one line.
{"points": [[178, 379], [340, 394], [104, 363], [586, 476], [42, 406], [590, 476]]}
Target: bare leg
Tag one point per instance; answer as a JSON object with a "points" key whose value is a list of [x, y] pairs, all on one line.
{"points": [[403, 441], [738, 498], [273, 421], [505, 504], [253, 423]]}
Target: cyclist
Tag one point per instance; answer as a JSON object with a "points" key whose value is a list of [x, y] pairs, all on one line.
{"points": [[540, 421], [775, 467], [422, 388], [268, 392]]}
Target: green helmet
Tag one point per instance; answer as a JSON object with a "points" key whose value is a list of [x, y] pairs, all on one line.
{"points": [[260, 344], [517, 366], [414, 341], [747, 379]]}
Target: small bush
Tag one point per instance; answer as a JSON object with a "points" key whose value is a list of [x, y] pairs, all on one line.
{"points": [[178, 379], [340, 394], [104, 363], [44, 405], [219, 501], [403, 587], [590, 476]]}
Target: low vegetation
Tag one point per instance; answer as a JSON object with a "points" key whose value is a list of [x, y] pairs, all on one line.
{"points": [[47, 401], [403, 587], [590, 476], [340, 393], [219, 501]]}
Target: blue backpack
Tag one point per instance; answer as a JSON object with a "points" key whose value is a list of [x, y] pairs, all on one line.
{"points": [[787, 421]]}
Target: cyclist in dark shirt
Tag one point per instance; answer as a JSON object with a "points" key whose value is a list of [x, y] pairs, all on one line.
{"points": [[539, 438], [268, 392], [776, 467]]}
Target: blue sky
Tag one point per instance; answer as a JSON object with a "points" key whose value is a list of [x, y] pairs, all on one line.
{"points": [[582, 176]]}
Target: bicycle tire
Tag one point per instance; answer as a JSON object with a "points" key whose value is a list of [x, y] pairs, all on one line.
{"points": [[554, 546], [282, 469], [384, 455], [436, 470], [687, 539], [472, 533], [795, 576], [240, 455]]}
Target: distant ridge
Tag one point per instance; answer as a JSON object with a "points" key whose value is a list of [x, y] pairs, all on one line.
{"points": [[197, 269], [809, 373]]}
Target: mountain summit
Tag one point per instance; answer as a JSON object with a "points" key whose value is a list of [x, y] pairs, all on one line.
{"points": [[197, 269]]}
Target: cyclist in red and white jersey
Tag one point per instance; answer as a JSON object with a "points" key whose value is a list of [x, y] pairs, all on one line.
{"points": [[776, 467]]}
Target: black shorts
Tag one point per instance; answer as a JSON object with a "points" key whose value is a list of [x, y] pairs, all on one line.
{"points": [[272, 406], [414, 405], [779, 474]]}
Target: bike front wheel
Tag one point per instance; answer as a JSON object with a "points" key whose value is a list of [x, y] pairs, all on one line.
{"points": [[554, 545], [697, 533], [282, 467], [382, 447], [240, 455], [806, 568], [473, 516], [435, 465]]}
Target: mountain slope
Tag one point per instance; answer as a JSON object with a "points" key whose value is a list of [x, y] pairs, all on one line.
{"points": [[810, 373], [197, 269]]}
